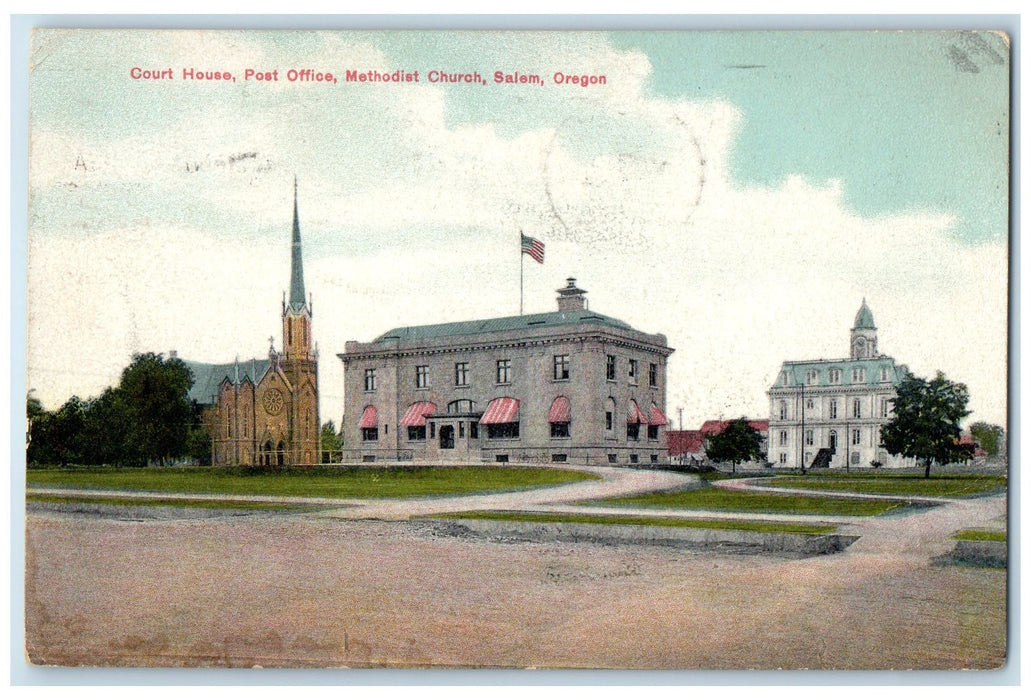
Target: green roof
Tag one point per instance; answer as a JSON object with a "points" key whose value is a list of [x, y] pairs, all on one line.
{"points": [[553, 319], [864, 318], [797, 371], [207, 377]]}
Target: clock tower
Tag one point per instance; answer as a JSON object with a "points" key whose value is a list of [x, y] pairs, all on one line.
{"points": [[864, 335]]}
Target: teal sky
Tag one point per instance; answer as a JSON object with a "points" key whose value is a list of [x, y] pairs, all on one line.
{"points": [[909, 123], [811, 168]]}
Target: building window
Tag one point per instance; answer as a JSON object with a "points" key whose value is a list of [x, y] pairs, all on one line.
{"points": [[633, 459], [613, 459], [558, 458], [784, 378], [461, 429], [857, 408], [884, 374], [610, 416], [610, 367], [632, 371], [783, 410], [858, 375], [884, 408], [422, 376], [417, 433], [433, 430], [653, 374], [229, 424], [856, 436], [461, 406], [633, 431], [370, 434], [560, 430], [561, 367], [461, 374], [502, 431], [474, 431], [834, 376], [783, 437], [811, 376], [608, 421], [504, 375], [809, 404], [370, 380], [833, 408], [783, 458], [809, 437], [653, 432]]}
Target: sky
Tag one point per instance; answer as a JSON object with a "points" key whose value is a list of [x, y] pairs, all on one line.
{"points": [[741, 193]]}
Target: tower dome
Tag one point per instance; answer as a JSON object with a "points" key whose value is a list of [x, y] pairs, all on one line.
{"points": [[864, 335], [864, 318]]}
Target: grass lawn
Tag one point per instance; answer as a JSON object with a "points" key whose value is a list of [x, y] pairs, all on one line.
{"points": [[318, 483], [702, 523], [944, 485], [166, 502], [723, 499], [981, 535]]}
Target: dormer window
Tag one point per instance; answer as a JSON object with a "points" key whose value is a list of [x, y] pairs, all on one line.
{"points": [[834, 376]]}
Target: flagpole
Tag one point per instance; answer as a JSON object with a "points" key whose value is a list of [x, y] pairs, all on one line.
{"points": [[521, 272]]}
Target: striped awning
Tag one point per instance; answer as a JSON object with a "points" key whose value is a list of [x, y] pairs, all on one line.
{"points": [[559, 412], [417, 412], [503, 410], [370, 419], [634, 414], [658, 417]]}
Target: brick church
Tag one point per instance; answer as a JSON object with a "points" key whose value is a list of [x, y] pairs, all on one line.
{"points": [[266, 411]]}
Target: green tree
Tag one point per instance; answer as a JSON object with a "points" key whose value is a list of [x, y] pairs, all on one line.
{"points": [[925, 424], [329, 440], [988, 436], [154, 393], [738, 442]]}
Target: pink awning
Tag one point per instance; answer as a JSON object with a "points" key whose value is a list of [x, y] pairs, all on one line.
{"points": [[634, 414], [370, 419], [559, 412], [417, 412], [658, 417], [503, 410]]}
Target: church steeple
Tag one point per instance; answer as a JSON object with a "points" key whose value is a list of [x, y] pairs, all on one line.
{"points": [[297, 313], [296, 263]]}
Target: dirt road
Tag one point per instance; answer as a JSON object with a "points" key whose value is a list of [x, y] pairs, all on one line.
{"points": [[276, 590]]}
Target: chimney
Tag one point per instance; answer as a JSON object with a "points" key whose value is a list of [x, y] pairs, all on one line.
{"points": [[571, 297]]}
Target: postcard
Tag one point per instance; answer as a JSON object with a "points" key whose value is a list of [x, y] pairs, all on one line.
{"points": [[517, 349]]}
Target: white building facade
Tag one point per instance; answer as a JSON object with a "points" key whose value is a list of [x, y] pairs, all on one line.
{"points": [[829, 413]]}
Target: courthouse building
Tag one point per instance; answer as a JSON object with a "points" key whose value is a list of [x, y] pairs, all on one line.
{"points": [[571, 385], [824, 412], [265, 411]]}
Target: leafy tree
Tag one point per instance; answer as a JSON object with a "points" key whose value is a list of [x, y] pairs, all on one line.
{"points": [[925, 424], [988, 436], [738, 442], [330, 442], [56, 438], [198, 441], [154, 394]]}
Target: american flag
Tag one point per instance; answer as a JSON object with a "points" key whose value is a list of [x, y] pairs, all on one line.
{"points": [[534, 247]]}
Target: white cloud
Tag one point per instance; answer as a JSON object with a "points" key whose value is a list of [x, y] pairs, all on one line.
{"points": [[738, 278]]}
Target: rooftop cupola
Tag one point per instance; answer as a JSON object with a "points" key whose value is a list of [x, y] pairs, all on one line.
{"points": [[571, 297], [864, 335]]}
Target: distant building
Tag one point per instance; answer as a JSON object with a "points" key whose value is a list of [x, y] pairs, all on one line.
{"points": [[570, 385], [266, 411], [690, 444], [826, 412]]}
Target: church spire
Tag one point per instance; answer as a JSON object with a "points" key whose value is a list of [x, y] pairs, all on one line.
{"points": [[296, 265]]}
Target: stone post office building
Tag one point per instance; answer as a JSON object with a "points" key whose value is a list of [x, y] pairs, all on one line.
{"points": [[571, 385]]}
